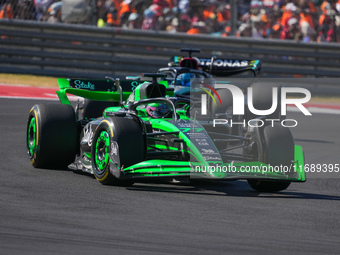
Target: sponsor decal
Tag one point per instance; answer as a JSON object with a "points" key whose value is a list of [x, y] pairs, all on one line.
{"points": [[212, 158], [202, 141], [188, 129], [207, 151], [224, 62], [114, 156], [82, 85], [114, 149], [134, 85], [88, 135]]}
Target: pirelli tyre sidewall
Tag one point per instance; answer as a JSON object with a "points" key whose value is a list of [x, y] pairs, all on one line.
{"points": [[225, 109], [51, 136], [277, 149], [32, 136], [127, 134], [101, 149], [226, 99]]}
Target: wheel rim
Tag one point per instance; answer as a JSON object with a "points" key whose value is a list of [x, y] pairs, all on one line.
{"points": [[102, 151], [31, 137]]}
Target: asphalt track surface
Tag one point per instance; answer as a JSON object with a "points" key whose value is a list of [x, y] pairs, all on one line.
{"points": [[63, 212]]}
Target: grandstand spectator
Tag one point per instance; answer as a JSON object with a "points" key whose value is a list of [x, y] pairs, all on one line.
{"points": [[112, 18], [184, 23], [258, 26], [126, 8], [26, 10], [184, 6], [291, 31], [172, 26], [55, 12], [306, 20], [198, 28], [152, 18], [244, 30], [210, 11], [6, 11], [223, 13], [275, 31], [289, 12], [326, 23], [41, 8]]}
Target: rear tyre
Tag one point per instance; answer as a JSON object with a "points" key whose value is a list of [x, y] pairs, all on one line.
{"points": [[224, 111], [94, 109], [52, 136], [278, 149], [128, 134], [227, 101], [268, 186]]}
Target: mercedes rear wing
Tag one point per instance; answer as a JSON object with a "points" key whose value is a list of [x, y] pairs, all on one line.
{"points": [[225, 67], [218, 66]]}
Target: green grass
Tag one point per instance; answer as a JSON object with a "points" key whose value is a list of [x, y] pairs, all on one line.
{"points": [[31, 80]]}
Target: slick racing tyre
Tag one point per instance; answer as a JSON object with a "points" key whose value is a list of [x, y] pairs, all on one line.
{"points": [[263, 100], [225, 109], [52, 136], [127, 133], [227, 102], [278, 149], [94, 109]]}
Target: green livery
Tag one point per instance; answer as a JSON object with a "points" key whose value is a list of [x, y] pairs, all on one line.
{"points": [[126, 130]]}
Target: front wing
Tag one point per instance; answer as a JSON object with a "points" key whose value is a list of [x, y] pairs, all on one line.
{"points": [[231, 171]]}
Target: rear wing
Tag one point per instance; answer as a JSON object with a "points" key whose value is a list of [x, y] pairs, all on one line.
{"points": [[226, 67], [100, 89], [222, 66]]}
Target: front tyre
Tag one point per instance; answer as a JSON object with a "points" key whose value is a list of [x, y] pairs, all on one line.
{"points": [[268, 186], [125, 132], [101, 158], [278, 149]]}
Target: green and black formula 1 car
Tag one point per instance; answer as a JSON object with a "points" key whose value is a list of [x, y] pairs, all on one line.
{"points": [[134, 129]]}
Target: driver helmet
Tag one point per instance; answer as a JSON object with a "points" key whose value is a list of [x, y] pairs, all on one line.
{"points": [[157, 110], [184, 79]]}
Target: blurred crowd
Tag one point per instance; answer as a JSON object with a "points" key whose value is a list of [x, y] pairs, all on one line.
{"points": [[301, 20]]}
